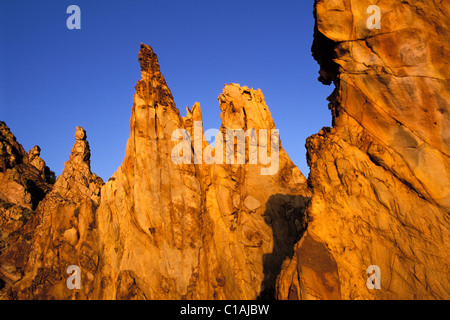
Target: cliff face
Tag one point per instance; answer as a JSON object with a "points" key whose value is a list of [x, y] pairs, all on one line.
{"points": [[24, 182], [380, 176], [194, 229], [179, 219], [64, 233], [182, 219]]}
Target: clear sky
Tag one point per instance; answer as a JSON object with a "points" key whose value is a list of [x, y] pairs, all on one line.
{"points": [[53, 79]]}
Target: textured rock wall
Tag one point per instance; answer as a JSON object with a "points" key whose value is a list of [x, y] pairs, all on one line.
{"points": [[195, 230], [200, 227], [380, 176], [24, 181], [64, 234], [205, 227]]}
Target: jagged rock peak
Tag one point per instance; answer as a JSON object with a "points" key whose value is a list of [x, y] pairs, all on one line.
{"points": [[148, 59], [80, 134], [49, 251], [11, 152], [81, 151], [77, 182], [152, 88], [24, 177], [34, 152], [187, 230], [194, 113], [244, 108], [35, 159]]}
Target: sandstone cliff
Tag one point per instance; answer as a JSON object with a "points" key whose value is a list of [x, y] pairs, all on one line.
{"points": [[195, 230], [64, 233], [380, 176], [182, 219], [217, 224], [24, 182]]}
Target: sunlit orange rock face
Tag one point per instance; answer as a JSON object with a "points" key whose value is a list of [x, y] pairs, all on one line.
{"points": [[195, 230], [205, 228], [380, 175], [24, 182], [202, 227], [60, 231]]}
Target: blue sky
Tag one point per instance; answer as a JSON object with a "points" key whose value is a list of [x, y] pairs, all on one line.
{"points": [[53, 79]]}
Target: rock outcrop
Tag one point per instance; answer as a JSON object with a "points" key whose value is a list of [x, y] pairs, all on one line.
{"points": [[77, 182], [180, 219], [380, 176], [235, 219], [196, 229], [24, 177], [24, 182], [65, 232]]}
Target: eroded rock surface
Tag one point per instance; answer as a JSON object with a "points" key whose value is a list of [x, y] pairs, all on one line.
{"points": [[65, 233], [195, 230], [181, 219], [380, 176], [215, 225], [24, 181]]}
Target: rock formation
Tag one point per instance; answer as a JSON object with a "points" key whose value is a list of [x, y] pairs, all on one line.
{"points": [[185, 219], [216, 225], [65, 232], [195, 230], [380, 176], [24, 182]]}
